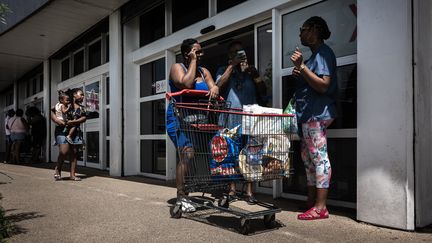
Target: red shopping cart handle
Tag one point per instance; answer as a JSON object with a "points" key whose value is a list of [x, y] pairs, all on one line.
{"points": [[189, 92]]}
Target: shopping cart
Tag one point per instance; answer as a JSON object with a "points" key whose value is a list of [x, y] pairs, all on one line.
{"points": [[230, 145]]}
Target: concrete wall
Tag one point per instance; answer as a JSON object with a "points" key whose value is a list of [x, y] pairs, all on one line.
{"points": [[423, 112], [385, 173]]}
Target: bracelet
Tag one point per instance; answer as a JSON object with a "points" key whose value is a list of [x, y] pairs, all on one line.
{"points": [[258, 80], [302, 67]]}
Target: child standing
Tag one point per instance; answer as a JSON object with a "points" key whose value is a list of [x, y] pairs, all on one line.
{"points": [[62, 111]]}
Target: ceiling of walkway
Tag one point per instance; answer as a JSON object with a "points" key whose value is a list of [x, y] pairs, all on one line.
{"points": [[27, 44]]}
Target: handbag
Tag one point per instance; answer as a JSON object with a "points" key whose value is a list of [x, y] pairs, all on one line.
{"points": [[290, 125]]}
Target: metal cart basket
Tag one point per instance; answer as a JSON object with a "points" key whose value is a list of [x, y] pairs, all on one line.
{"points": [[229, 145]]}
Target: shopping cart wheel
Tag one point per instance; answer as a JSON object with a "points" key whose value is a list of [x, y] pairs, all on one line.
{"points": [[269, 221], [176, 211], [223, 202], [244, 226]]}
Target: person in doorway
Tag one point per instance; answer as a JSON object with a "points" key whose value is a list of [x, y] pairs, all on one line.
{"points": [[240, 84], [316, 109], [8, 142], [38, 132], [62, 109], [19, 128], [187, 75], [78, 112]]}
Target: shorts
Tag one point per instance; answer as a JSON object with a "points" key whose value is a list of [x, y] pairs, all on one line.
{"points": [[179, 138], [60, 137], [20, 136]]}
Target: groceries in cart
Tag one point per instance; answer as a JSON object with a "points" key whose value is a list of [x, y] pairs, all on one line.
{"points": [[224, 148], [258, 146]]}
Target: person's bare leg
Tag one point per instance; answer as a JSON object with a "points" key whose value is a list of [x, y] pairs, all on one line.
{"points": [[249, 189], [232, 190], [311, 197], [17, 151], [63, 152], [181, 170], [8, 151], [12, 153], [73, 161], [321, 198], [71, 134]]}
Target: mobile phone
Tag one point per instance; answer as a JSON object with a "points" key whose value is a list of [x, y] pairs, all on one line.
{"points": [[241, 54]]}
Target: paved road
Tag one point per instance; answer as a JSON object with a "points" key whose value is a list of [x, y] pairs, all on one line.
{"points": [[134, 209]]}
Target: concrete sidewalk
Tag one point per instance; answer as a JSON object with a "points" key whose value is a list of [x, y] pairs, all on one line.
{"points": [[133, 209]]}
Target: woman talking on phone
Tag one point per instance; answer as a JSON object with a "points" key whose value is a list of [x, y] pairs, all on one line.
{"points": [[187, 75]]}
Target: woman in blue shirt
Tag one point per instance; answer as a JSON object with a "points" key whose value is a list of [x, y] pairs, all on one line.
{"points": [[187, 75], [316, 109]]}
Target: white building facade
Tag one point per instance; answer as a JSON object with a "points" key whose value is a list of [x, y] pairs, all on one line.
{"points": [[120, 54]]}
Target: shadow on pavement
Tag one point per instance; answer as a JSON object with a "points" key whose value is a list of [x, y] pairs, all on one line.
{"points": [[223, 220], [285, 204], [14, 218]]}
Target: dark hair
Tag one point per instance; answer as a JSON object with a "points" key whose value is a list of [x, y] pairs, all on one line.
{"points": [[186, 46], [76, 90], [62, 94], [19, 112], [11, 113], [32, 111], [320, 25], [233, 44]]}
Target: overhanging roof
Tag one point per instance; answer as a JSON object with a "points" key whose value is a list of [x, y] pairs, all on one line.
{"points": [[39, 36]]}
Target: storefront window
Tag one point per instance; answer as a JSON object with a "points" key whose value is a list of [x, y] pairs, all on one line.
{"points": [[107, 122], [95, 53], [152, 25], [41, 81], [28, 85], [341, 17], [107, 48], [185, 13], [153, 156], [107, 151], [34, 85], [107, 96], [265, 67], [92, 92], [226, 4], [152, 117], [65, 69], [92, 147], [9, 98], [152, 78], [78, 60]]}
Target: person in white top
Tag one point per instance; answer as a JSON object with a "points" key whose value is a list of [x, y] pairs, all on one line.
{"points": [[10, 113], [18, 127]]}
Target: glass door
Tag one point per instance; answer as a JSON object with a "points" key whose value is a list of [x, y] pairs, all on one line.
{"points": [[152, 118], [341, 19], [92, 127]]}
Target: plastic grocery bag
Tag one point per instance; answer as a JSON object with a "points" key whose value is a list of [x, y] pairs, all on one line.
{"points": [[290, 125]]}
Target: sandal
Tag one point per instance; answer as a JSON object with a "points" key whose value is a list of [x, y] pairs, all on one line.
{"points": [[57, 177], [251, 200], [308, 215], [75, 178]]}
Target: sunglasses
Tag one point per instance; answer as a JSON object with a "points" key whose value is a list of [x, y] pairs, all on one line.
{"points": [[199, 53], [303, 29]]}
